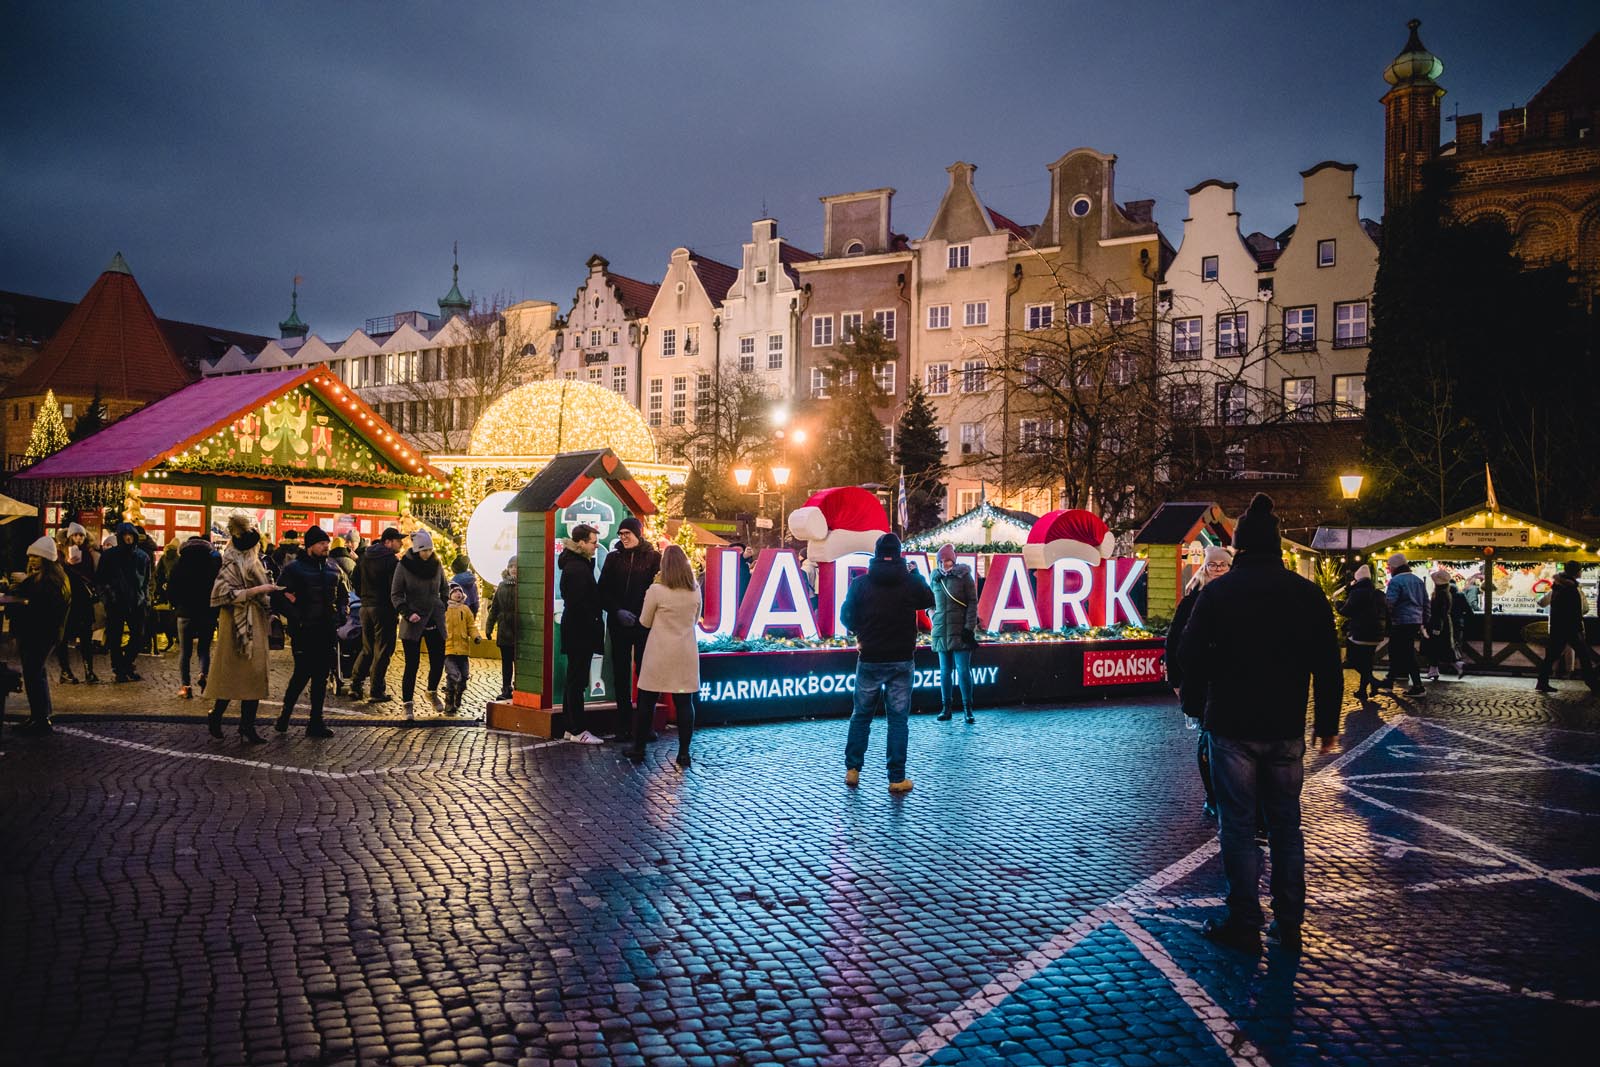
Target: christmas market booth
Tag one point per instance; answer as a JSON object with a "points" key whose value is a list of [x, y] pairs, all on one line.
{"points": [[295, 448], [1503, 561]]}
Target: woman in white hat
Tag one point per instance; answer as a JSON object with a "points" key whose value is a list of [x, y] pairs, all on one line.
{"points": [[46, 599], [78, 558], [242, 594]]}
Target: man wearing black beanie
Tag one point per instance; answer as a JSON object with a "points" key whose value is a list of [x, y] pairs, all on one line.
{"points": [[1258, 636]]}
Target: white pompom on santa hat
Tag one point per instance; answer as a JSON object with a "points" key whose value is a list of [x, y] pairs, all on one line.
{"points": [[836, 522], [1070, 534]]}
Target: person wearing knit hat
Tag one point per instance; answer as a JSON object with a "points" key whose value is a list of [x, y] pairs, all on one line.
{"points": [[239, 663], [1567, 606], [1218, 561], [1407, 597], [1442, 639], [1256, 641], [374, 580], [1362, 608], [314, 587], [41, 616], [625, 577], [460, 634], [79, 559], [881, 610], [419, 593]]}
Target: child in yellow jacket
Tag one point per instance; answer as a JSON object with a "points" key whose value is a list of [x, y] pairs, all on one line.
{"points": [[460, 634]]}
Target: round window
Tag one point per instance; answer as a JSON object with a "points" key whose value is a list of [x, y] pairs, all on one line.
{"points": [[1080, 207]]}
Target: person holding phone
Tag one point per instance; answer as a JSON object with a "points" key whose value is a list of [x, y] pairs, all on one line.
{"points": [[241, 594]]}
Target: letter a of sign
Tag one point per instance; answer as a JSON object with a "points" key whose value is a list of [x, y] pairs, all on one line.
{"points": [[721, 594], [1007, 598], [776, 599]]}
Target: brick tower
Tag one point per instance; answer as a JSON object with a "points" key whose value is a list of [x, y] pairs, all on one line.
{"points": [[1411, 118]]}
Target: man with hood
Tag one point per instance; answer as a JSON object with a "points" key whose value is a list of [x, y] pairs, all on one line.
{"points": [[1567, 609], [190, 592], [625, 577], [1258, 638], [374, 578], [124, 582], [881, 610], [583, 633], [315, 589]]}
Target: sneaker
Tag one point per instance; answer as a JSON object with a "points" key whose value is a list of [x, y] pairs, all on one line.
{"points": [[586, 738], [852, 777], [1433, 674], [1209, 810], [1416, 691], [902, 786], [570, 736], [1241, 938]]}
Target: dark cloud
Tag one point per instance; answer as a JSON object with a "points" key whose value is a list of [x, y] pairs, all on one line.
{"points": [[226, 147]]}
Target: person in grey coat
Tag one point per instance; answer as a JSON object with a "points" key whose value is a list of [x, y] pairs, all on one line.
{"points": [[1407, 598], [419, 593], [955, 628]]}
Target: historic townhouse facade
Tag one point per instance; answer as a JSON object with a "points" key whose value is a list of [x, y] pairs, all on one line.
{"points": [[678, 364], [864, 275], [606, 331], [758, 333], [964, 286]]}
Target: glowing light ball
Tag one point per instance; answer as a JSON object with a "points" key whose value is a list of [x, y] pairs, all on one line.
{"points": [[547, 417], [492, 536]]}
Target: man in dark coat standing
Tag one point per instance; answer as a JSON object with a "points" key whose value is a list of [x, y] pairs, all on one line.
{"points": [[315, 588], [625, 577], [124, 582], [1258, 636], [881, 610], [1565, 601], [374, 577], [189, 589], [583, 633]]}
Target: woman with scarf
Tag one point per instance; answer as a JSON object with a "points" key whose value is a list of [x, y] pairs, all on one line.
{"points": [[239, 660], [419, 594]]}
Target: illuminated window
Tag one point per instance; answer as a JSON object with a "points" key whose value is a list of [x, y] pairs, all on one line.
{"points": [[1299, 398], [1349, 395]]}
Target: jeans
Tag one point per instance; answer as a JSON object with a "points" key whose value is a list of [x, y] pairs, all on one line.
{"points": [[377, 648], [434, 639], [891, 682], [508, 663], [1268, 774], [315, 649], [1203, 759], [963, 669], [122, 656], [1403, 653], [193, 633]]}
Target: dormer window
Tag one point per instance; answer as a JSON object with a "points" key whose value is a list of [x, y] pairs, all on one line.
{"points": [[761, 275], [959, 256]]}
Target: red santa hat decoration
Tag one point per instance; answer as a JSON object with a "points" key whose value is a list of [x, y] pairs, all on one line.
{"points": [[1069, 534], [837, 522]]}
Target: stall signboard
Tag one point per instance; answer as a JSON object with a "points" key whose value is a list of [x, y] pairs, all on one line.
{"points": [[168, 491], [256, 498], [1123, 666], [376, 503], [1491, 537], [318, 496]]}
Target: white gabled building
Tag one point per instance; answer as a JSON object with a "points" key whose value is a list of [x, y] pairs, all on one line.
{"points": [[606, 330], [758, 331]]}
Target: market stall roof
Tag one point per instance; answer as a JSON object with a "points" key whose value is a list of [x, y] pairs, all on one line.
{"points": [[148, 437], [1332, 538], [702, 536], [1510, 533], [565, 478], [1181, 521], [11, 510], [1004, 524]]}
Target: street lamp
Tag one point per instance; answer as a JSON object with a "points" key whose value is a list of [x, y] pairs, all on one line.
{"points": [[1350, 486], [780, 477]]}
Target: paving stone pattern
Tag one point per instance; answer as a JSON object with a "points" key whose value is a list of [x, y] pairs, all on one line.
{"points": [[459, 896]]}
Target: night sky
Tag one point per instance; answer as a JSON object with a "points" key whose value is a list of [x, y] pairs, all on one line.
{"points": [[224, 148]]}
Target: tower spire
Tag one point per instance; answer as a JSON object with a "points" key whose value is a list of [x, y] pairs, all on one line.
{"points": [[292, 326], [453, 303]]}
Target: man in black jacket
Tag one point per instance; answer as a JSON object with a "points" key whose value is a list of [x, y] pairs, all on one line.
{"points": [[881, 610], [582, 631], [315, 588], [374, 577], [625, 577], [189, 590], [1257, 637], [124, 580], [1565, 601]]}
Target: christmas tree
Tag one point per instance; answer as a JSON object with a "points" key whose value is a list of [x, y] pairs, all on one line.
{"points": [[49, 432]]}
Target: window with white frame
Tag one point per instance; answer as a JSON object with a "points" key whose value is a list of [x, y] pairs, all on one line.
{"points": [[1233, 327], [1040, 316], [1121, 309], [1080, 313], [615, 335], [747, 355], [761, 275], [967, 499], [1233, 458], [702, 396], [1186, 338], [1208, 268], [691, 340], [1029, 438], [1186, 402], [774, 351], [939, 317], [972, 439], [975, 313], [1033, 371], [1350, 324], [1299, 398], [821, 331], [597, 374], [1233, 403], [594, 338], [1349, 395], [974, 376], [680, 399], [819, 383], [1300, 329], [885, 321], [653, 402], [619, 380], [1327, 253], [937, 379], [850, 325], [570, 375], [888, 439], [843, 376], [669, 343], [958, 256], [883, 377]]}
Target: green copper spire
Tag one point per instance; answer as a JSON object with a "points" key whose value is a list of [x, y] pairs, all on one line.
{"points": [[292, 326], [453, 303], [118, 265]]}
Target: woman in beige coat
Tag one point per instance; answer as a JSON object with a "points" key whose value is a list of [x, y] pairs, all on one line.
{"points": [[239, 661], [671, 653]]}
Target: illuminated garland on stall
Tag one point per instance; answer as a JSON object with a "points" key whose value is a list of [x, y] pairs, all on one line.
{"points": [[416, 483]]}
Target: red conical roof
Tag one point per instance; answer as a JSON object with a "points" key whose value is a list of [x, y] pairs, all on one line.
{"points": [[111, 340]]}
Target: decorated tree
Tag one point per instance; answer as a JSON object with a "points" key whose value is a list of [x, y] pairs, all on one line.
{"points": [[49, 432], [920, 456]]}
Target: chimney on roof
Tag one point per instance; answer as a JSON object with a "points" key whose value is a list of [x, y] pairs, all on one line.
{"points": [[1140, 210], [764, 229]]}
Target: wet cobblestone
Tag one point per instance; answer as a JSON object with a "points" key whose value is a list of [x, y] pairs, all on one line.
{"points": [[460, 896]]}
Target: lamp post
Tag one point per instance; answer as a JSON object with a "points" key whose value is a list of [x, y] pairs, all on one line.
{"points": [[780, 477], [742, 476], [1350, 486]]}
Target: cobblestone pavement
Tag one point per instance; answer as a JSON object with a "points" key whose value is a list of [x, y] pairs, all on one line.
{"points": [[459, 896]]}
